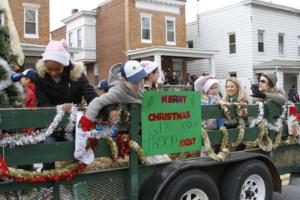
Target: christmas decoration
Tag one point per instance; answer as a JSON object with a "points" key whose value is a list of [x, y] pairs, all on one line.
{"points": [[40, 135]]}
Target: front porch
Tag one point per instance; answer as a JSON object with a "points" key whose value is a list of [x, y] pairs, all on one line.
{"points": [[172, 60]]}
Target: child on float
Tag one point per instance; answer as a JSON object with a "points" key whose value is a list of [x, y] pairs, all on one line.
{"points": [[27, 78], [126, 83], [102, 87], [209, 87], [150, 81]]}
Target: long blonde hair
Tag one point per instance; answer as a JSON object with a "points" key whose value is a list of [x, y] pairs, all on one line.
{"points": [[241, 97]]}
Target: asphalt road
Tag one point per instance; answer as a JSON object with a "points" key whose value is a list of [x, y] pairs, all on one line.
{"points": [[289, 192]]}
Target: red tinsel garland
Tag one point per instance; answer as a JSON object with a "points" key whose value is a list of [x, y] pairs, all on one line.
{"points": [[18, 175], [124, 148]]}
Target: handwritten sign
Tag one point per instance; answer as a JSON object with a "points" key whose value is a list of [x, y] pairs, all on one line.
{"points": [[171, 122]]}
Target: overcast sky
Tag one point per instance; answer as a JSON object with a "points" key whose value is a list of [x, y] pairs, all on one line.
{"points": [[61, 9]]}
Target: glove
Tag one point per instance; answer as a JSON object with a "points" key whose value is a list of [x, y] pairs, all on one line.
{"points": [[256, 92], [113, 132], [86, 123]]}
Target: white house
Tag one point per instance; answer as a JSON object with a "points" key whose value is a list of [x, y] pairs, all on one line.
{"points": [[252, 37]]}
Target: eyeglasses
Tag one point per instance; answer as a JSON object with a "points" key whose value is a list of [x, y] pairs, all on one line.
{"points": [[262, 81]]}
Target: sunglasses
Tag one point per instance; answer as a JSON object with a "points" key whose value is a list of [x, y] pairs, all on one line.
{"points": [[262, 81]]}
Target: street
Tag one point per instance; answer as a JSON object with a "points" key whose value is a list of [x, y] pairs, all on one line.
{"points": [[289, 192]]}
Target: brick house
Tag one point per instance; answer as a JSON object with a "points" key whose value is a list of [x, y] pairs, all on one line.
{"points": [[59, 34], [133, 29], [31, 18]]}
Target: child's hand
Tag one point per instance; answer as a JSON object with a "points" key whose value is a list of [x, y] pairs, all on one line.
{"points": [[114, 115]]}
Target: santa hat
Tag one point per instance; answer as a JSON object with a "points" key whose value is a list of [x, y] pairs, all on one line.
{"points": [[57, 51], [203, 83]]}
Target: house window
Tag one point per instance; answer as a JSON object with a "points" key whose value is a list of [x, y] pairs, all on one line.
{"points": [[232, 43], [298, 45], [281, 43], [171, 30], [70, 39], [31, 23], [190, 44], [260, 37], [146, 28], [79, 38], [96, 74], [232, 74]]}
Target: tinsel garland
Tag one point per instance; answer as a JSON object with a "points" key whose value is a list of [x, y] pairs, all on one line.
{"points": [[20, 175], [124, 145], [240, 137], [264, 141], [40, 135], [139, 151], [224, 152]]}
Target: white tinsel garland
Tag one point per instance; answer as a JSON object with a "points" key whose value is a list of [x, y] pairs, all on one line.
{"points": [[39, 135]]}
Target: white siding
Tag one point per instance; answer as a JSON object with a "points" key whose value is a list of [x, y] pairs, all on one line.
{"points": [[214, 28], [274, 22]]}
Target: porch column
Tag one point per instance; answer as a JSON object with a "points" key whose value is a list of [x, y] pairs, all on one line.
{"points": [[212, 66], [157, 59], [280, 82], [298, 83]]}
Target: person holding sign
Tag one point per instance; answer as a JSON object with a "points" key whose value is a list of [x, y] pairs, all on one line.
{"points": [[126, 83], [151, 69]]}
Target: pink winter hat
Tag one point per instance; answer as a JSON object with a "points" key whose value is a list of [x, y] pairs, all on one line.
{"points": [[149, 66], [57, 51], [203, 83]]}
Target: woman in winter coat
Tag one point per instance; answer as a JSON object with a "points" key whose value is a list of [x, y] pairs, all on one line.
{"points": [[267, 90], [60, 81]]}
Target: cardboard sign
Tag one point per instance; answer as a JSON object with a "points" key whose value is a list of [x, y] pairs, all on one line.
{"points": [[171, 122]]}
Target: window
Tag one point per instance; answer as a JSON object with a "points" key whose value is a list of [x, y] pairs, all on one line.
{"points": [[232, 74], [170, 31], [31, 22], [298, 45], [79, 39], [281, 43], [232, 43], [190, 44], [146, 28], [70, 39], [96, 74], [260, 37]]}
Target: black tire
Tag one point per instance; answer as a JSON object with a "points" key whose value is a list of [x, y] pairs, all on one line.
{"points": [[186, 181], [235, 178]]}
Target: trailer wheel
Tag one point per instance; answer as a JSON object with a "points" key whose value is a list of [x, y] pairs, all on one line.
{"points": [[191, 185], [250, 180]]}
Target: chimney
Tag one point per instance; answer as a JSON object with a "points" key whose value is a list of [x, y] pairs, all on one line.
{"points": [[74, 11]]}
